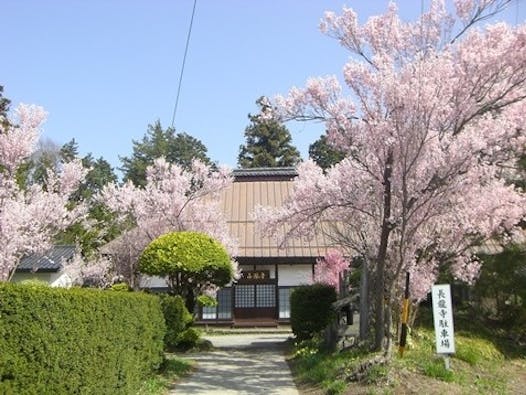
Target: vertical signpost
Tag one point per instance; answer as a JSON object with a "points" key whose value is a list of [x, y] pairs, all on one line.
{"points": [[443, 318], [405, 316]]}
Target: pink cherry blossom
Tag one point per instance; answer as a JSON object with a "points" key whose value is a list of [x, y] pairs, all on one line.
{"points": [[329, 268], [173, 199], [430, 114], [31, 215]]}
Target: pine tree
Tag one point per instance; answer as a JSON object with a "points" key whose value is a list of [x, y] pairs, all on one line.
{"points": [[177, 148], [324, 154], [4, 108], [268, 143]]}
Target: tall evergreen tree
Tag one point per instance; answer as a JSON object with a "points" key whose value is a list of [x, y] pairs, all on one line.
{"points": [[4, 108], [324, 154], [268, 143], [70, 150], [178, 148], [102, 226], [4, 103], [46, 157]]}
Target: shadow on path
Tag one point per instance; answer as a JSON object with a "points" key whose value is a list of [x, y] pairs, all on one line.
{"points": [[241, 364]]}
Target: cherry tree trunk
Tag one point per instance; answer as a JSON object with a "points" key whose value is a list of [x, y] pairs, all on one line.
{"points": [[379, 303]]}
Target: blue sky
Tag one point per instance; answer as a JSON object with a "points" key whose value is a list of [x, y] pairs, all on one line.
{"points": [[105, 69]]}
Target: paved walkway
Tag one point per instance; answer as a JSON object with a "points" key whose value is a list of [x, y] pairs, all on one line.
{"points": [[248, 364]]}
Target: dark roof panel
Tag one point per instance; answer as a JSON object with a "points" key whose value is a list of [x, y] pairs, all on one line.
{"points": [[265, 174], [51, 261]]}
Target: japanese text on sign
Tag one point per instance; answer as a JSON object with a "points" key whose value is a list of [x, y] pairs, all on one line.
{"points": [[443, 318], [256, 275]]}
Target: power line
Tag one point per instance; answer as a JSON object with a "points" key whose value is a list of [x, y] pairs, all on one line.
{"points": [[184, 61]]}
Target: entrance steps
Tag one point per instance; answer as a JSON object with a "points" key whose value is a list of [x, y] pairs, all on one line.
{"points": [[254, 323], [233, 329]]}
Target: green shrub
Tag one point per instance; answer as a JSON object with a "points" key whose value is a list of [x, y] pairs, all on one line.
{"points": [[34, 282], [188, 338], [310, 309], [335, 387], [121, 287], [77, 341], [176, 317], [206, 300], [191, 261]]}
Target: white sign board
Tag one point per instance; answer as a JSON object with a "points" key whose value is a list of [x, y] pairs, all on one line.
{"points": [[443, 317]]}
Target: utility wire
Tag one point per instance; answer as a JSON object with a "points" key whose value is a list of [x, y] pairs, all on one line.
{"points": [[184, 61]]}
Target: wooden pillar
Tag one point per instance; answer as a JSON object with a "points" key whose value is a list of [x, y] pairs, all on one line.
{"points": [[276, 277], [364, 303]]}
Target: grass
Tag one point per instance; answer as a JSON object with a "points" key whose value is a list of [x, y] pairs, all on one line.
{"points": [[481, 365], [324, 369], [171, 370]]}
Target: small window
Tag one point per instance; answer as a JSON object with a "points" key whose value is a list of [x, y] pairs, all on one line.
{"points": [[224, 304], [209, 312], [223, 310], [245, 295], [284, 302], [265, 295]]}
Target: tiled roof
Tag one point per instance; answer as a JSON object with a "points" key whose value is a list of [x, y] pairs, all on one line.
{"points": [[239, 202], [51, 261]]}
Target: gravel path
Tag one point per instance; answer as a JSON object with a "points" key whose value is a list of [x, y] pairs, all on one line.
{"points": [[248, 364]]}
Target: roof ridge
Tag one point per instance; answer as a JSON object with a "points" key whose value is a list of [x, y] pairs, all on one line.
{"points": [[286, 172]]}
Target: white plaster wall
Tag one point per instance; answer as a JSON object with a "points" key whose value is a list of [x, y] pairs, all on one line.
{"points": [[290, 275], [60, 279], [152, 282]]}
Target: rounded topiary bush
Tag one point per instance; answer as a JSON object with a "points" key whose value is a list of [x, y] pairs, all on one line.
{"points": [[191, 262], [311, 310]]}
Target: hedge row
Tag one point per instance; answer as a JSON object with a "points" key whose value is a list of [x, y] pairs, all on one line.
{"points": [[311, 310], [77, 341], [179, 334]]}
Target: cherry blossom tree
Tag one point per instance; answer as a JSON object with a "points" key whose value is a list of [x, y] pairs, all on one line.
{"points": [[429, 113], [173, 199], [93, 272], [30, 215], [329, 268]]}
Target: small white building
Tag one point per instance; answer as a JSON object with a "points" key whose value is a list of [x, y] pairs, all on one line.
{"points": [[47, 267]]}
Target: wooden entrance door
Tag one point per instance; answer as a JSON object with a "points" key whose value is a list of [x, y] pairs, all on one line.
{"points": [[255, 301]]}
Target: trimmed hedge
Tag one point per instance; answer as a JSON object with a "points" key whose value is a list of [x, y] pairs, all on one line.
{"points": [[178, 321], [310, 309], [77, 341]]}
